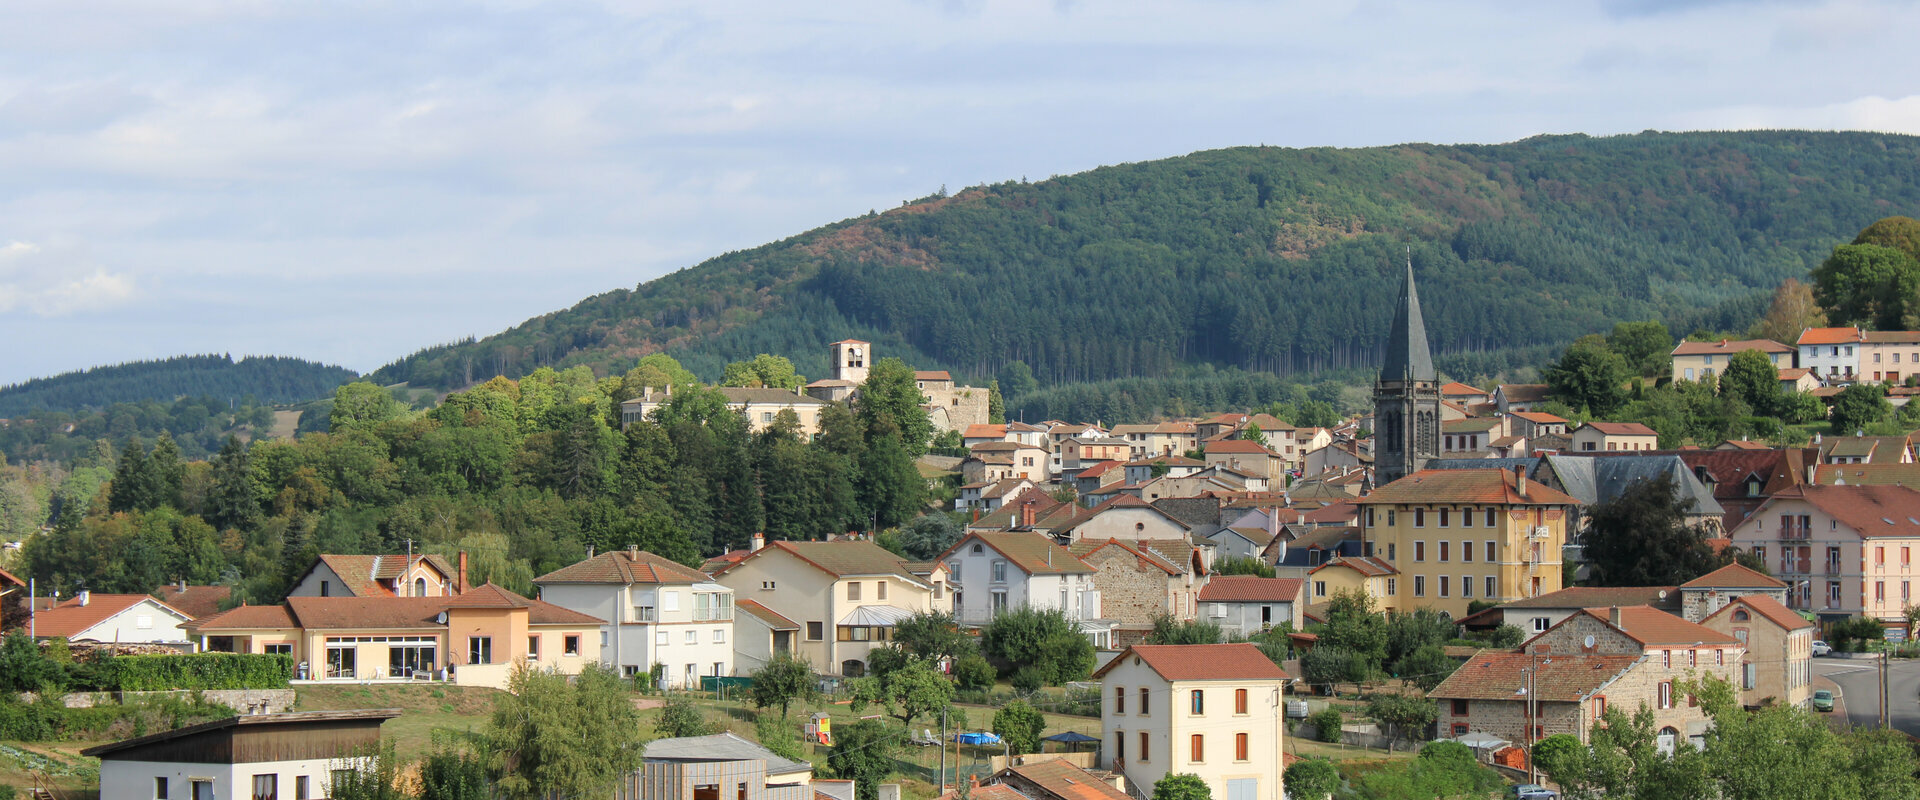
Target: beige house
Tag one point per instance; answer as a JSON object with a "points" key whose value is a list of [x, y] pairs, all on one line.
{"points": [[1021, 460], [1698, 361], [1842, 551], [1703, 596], [847, 596], [1211, 710], [1529, 424], [656, 611], [1890, 356], [1159, 439], [1247, 456], [1778, 665], [760, 405], [1123, 517], [382, 576], [1592, 437], [479, 635], [1457, 536], [1798, 379], [1372, 576]]}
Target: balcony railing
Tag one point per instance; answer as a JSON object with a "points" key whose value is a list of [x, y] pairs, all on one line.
{"points": [[643, 613], [713, 615]]}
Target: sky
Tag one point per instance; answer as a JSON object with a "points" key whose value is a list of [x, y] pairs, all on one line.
{"points": [[351, 181]]}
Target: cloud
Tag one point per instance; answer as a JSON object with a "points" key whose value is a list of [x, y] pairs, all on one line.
{"points": [[1878, 114], [57, 281]]}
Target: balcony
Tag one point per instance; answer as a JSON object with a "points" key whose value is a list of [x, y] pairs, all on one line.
{"points": [[644, 614], [713, 615]]}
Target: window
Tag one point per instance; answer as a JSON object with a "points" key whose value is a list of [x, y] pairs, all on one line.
{"points": [[1693, 658], [1444, 516], [880, 590], [1393, 551], [1240, 748], [1419, 586], [1199, 700], [1466, 586], [1489, 520], [1460, 729], [669, 601], [1199, 748], [1239, 701], [1879, 591], [719, 635], [1443, 586], [1419, 518], [1443, 550], [1466, 518], [302, 787], [266, 787], [1392, 587], [853, 590], [1879, 556], [1599, 706], [1419, 551], [1319, 588], [1390, 516], [533, 646], [603, 639], [1120, 745], [1905, 557], [1746, 675], [999, 572], [1666, 694], [816, 631], [1741, 615], [1719, 658], [160, 788], [479, 649], [1119, 700], [692, 637], [1493, 587], [1143, 709], [1541, 623], [326, 590], [278, 649], [662, 638], [1466, 551], [1143, 746], [419, 587], [1666, 660]]}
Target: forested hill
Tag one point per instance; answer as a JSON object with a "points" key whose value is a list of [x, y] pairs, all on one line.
{"points": [[1265, 259], [268, 379]]}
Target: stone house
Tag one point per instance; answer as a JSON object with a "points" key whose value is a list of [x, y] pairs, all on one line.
{"points": [[1778, 664], [1027, 461], [1140, 581], [1490, 692], [987, 497], [1534, 615], [1702, 596], [1124, 517], [1672, 650], [1511, 397], [761, 406], [1211, 710]]}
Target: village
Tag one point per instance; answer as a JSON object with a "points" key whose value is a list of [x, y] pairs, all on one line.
{"points": [[1218, 581]]}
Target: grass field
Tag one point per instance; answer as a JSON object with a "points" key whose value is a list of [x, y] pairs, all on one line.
{"points": [[425, 710]]}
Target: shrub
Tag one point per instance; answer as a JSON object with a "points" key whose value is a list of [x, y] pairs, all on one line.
{"points": [[196, 671], [1326, 724], [973, 671], [1181, 786], [1028, 680], [1312, 779], [1020, 725]]}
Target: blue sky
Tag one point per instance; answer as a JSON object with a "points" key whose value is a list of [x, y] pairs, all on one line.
{"points": [[350, 181]]}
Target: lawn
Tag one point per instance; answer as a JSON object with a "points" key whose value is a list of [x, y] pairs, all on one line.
{"points": [[425, 709]]}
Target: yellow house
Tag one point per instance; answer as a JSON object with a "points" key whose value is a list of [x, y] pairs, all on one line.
{"points": [[1594, 437], [478, 635], [1457, 536], [1211, 710], [1374, 576], [846, 596], [1697, 361]]}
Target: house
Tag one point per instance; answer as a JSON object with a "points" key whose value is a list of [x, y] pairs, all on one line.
{"points": [[1534, 615], [760, 405], [848, 360], [1241, 454], [1861, 449], [1211, 710], [1889, 356], [1335, 457], [710, 767], [1375, 577], [1246, 605], [95, 618], [1124, 517], [1794, 380], [993, 572], [1842, 551], [263, 756], [1457, 536], [1593, 437], [1099, 476], [847, 596], [382, 576], [478, 636], [986, 497], [1080, 452], [1027, 461], [1471, 435], [1241, 542], [1220, 425], [1490, 694], [1145, 469], [1160, 439], [1039, 777], [1703, 596], [1535, 423], [1778, 665], [987, 468], [1141, 581], [759, 634], [1314, 547], [1739, 481], [1832, 353], [655, 611], [1698, 361], [1671, 649], [1511, 397], [1463, 394], [982, 434]]}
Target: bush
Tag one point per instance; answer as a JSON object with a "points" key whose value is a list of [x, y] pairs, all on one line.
{"points": [[196, 671], [973, 671], [1028, 680], [1020, 725], [1852, 635], [1326, 724], [1181, 786], [1312, 779]]}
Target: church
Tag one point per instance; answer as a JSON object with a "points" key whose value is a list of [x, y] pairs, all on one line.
{"points": [[1406, 398]]}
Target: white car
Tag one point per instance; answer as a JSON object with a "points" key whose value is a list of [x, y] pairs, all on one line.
{"points": [[1821, 648]]}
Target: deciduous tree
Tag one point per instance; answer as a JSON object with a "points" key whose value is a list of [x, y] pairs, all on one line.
{"points": [[551, 736]]}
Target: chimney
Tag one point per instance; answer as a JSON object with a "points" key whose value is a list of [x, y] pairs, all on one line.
{"points": [[86, 596], [589, 551], [976, 513], [633, 551], [462, 577], [1273, 524], [1613, 616], [1520, 479], [759, 541], [1026, 514], [183, 585]]}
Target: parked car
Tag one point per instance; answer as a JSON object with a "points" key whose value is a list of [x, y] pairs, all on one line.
{"points": [[1821, 648], [1822, 700], [1532, 791]]}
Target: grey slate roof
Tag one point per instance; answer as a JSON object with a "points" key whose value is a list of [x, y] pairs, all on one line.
{"points": [[1597, 479], [1195, 511], [720, 747], [1408, 357]]}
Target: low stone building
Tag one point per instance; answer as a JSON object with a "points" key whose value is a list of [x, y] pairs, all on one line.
{"points": [[1703, 596], [1778, 666]]}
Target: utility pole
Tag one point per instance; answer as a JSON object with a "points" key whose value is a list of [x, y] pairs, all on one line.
{"points": [[942, 744], [1883, 689]]}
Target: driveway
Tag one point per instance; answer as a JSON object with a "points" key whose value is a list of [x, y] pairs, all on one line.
{"points": [[1856, 684]]}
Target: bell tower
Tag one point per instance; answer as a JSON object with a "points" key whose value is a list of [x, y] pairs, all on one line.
{"points": [[1406, 398], [850, 358]]}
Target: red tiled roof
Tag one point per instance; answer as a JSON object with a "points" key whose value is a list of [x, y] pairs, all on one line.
{"points": [[1539, 417], [932, 375], [369, 613], [196, 601], [1068, 782], [1098, 470], [8, 578], [1869, 510], [767, 615], [1251, 589], [488, 596], [1456, 388], [1501, 675], [361, 573], [1651, 626], [1240, 661], [1483, 486], [1767, 607], [1730, 346], [623, 567], [70, 619], [1620, 428], [981, 430], [1734, 576], [244, 618], [1368, 566], [1830, 336], [1238, 446], [992, 791]]}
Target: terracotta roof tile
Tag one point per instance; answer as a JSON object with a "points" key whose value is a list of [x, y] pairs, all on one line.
{"points": [[1501, 676], [70, 619], [1830, 336], [1068, 782], [244, 618], [1734, 576], [767, 615], [1202, 662], [1368, 566], [843, 558], [196, 601], [1488, 486], [1601, 596], [1033, 553], [1457, 389], [981, 430], [1540, 417], [1651, 626], [624, 567], [1242, 446], [1726, 346], [1087, 548], [1870, 511], [1251, 589], [1620, 428], [1767, 607]]}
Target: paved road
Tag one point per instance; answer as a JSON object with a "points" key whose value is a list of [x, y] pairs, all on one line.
{"points": [[1858, 682]]}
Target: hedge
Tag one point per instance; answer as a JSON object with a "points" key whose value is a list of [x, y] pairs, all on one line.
{"points": [[197, 671]]}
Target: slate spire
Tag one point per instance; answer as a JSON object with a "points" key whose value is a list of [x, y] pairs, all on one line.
{"points": [[1408, 357]]}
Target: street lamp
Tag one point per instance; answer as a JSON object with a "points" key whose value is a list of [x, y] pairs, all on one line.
{"points": [[1533, 709]]}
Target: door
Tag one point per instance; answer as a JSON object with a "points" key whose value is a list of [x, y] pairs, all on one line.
{"points": [[203, 790], [1666, 740], [340, 661], [1243, 789]]}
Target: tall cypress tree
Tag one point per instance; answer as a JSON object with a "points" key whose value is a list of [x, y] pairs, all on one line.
{"points": [[232, 503]]}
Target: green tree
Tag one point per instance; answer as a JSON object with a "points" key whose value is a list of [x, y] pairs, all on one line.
{"points": [[233, 503], [1425, 667], [549, 735], [1646, 347], [780, 736], [453, 775], [1312, 779], [1016, 380], [1326, 724], [1859, 406], [973, 672], [931, 636], [1020, 725], [683, 717], [1867, 284], [1243, 566], [1181, 786], [361, 405], [1560, 756], [1589, 376], [891, 406], [1351, 623], [1791, 311], [1641, 538], [1252, 433], [1408, 716], [372, 775], [1170, 630], [907, 692], [929, 535], [1411, 631], [1899, 233], [1044, 639], [1752, 377], [786, 678], [863, 752], [764, 370], [1327, 665], [996, 406]]}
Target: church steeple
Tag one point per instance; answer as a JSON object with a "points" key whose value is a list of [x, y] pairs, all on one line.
{"points": [[1406, 398]]}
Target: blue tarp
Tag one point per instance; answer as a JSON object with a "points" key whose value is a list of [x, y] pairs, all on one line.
{"points": [[977, 738]]}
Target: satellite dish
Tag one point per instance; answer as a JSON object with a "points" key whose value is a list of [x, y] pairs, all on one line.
{"points": [[1589, 640], [442, 619]]}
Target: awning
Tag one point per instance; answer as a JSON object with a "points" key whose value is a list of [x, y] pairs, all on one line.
{"points": [[876, 616]]}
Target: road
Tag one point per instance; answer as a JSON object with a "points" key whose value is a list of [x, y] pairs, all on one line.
{"points": [[1858, 682]]}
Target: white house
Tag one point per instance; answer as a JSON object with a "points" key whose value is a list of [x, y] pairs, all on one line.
{"points": [[1245, 605], [114, 619], [993, 572], [657, 612], [1212, 710], [260, 756], [1832, 353]]}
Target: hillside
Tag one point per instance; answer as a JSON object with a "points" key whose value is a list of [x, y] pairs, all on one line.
{"points": [[1261, 259], [269, 379]]}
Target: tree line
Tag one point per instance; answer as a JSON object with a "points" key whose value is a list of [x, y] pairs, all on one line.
{"points": [[270, 380]]}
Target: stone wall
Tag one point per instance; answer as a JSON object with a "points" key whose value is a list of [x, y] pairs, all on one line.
{"points": [[1697, 605], [245, 701], [964, 405], [1130, 592], [1507, 719]]}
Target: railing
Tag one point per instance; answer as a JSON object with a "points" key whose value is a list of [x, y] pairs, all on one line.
{"points": [[713, 615], [1833, 568], [643, 613]]}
